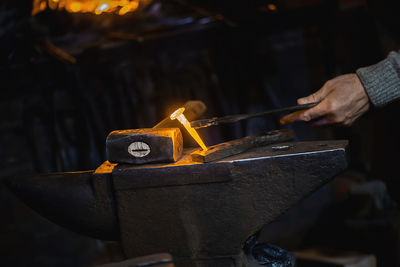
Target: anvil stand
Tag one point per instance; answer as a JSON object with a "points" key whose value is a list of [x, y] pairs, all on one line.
{"points": [[201, 213]]}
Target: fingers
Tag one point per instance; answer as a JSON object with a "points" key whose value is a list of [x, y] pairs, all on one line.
{"points": [[290, 118], [314, 113], [306, 100], [317, 96], [341, 101]]}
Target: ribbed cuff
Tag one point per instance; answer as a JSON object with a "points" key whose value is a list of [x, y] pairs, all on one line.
{"points": [[382, 81]]}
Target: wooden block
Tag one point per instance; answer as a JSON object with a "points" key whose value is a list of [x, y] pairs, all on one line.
{"points": [[141, 146], [237, 146]]}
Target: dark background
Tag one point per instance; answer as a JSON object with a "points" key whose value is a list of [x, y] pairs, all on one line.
{"points": [[55, 115]]}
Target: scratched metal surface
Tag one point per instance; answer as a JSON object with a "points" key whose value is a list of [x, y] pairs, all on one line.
{"points": [[199, 212]]}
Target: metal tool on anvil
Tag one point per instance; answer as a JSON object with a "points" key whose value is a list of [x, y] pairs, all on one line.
{"points": [[235, 118], [200, 213], [162, 143], [141, 146]]}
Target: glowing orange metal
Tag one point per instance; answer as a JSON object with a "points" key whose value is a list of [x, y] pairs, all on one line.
{"points": [[75, 7], [178, 114], [97, 7]]}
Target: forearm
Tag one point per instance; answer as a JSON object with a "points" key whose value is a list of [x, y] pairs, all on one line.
{"points": [[382, 81]]}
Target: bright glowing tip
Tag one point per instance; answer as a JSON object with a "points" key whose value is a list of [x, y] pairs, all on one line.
{"points": [[177, 113], [102, 7]]}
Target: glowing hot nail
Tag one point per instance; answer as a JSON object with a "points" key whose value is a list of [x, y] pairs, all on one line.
{"points": [[178, 114]]}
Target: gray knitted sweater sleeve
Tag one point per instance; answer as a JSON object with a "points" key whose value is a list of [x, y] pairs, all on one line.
{"points": [[382, 81]]}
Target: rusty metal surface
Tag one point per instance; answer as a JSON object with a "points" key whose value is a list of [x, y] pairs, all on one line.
{"points": [[208, 220]]}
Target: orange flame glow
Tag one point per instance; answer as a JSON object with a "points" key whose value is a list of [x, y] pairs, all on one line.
{"points": [[178, 114], [97, 7]]}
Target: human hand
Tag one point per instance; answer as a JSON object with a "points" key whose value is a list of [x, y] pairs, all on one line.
{"points": [[342, 101]]}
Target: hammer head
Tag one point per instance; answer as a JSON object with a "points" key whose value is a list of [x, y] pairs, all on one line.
{"points": [[141, 146]]}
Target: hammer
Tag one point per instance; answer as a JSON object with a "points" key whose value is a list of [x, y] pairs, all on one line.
{"points": [[162, 143]]}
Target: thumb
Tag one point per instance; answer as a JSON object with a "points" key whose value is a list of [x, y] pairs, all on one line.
{"points": [[316, 112], [315, 97]]}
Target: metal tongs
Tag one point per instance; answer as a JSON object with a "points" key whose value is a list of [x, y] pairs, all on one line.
{"points": [[234, 118]]}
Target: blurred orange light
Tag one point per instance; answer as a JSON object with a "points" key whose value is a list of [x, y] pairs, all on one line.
{"points": [[272, 7], [75, 7], [97, 7], [124, 10], [43, 6]]}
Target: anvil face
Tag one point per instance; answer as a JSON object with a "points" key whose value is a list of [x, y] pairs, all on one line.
{"points": [[201, 213]]}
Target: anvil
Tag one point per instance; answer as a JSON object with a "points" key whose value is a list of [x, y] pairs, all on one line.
{"points": [[201, 213]]}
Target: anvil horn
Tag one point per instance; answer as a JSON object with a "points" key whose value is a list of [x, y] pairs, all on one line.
{"points": [[79, 201]]}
